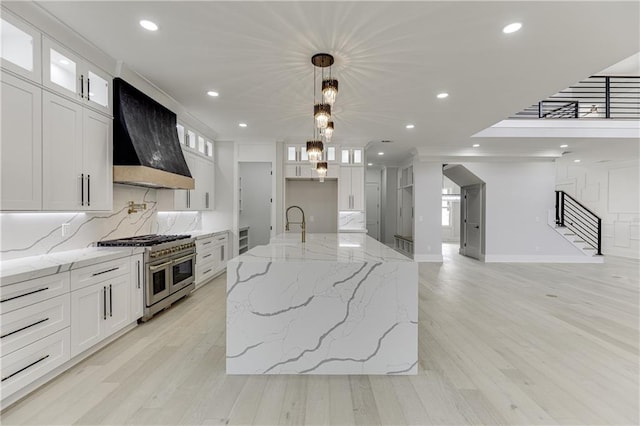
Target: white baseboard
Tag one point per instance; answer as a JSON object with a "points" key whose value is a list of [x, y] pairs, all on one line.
{"points": [[435, 258], [499, 258]]}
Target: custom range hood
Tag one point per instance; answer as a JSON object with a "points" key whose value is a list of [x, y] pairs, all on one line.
{"points": [[146, 150]]}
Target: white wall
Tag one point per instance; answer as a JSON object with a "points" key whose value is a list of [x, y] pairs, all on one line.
{"points": [[519, 196], [319, 202], [611, 190], [427, 187]]}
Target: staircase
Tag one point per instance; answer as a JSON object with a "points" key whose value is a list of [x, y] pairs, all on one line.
{"points": [[578, 225]]}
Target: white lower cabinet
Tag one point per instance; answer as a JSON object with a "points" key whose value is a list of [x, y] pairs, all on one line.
{"points": [[211, 256], [24, 366], [98, 311], [137, 286]]}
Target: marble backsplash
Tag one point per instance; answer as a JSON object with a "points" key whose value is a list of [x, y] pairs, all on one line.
{"points": [[28, 234]]}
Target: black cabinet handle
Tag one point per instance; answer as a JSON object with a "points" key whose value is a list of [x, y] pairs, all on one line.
{"points": [[110, 301], [24, 294], [82, 189], [222, 253], [207, 255], [104, 303], [24, 368], [104, 272], [138, 262], [88, 190], [88, 89], [207, 271], [24, 328], [81, 86]]}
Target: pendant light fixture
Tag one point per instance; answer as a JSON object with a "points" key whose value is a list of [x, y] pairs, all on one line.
{"points": [[314, 150], [322, 109], [328, 132], [321, 169]]}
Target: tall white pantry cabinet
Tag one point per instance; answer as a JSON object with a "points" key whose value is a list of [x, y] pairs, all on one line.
{"points": [[56, 146]]}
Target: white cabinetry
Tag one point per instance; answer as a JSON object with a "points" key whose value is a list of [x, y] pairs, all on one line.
{"points": [[351, 188], [21, 149], [137, 286], [77, 157], [34, 325], [100, 302], [20, 48], [211, 256], [72, 76], [201, 197]]}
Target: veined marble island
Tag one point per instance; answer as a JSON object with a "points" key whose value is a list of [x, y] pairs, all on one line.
{"points": [[336, 304]]}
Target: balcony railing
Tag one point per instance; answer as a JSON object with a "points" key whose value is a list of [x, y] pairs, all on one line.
{"points": [[616, 97]]}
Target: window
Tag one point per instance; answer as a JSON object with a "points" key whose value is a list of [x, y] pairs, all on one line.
{"points": [[446, 214]]}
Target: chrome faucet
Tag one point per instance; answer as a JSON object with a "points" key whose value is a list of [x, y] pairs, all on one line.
{"points": [[302, 224]]}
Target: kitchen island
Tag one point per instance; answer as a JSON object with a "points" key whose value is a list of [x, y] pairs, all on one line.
{"points": [[336, 304]]}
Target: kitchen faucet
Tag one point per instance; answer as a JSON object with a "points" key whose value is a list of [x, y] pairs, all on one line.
{"points": [[302, 224]]}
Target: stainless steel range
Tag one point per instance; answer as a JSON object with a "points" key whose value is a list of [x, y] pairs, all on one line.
{"points": [[170, 264]]}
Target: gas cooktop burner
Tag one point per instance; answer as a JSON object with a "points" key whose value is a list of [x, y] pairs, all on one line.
{"points": [[142, 240]]}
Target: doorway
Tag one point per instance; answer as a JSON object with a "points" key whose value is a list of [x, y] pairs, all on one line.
{"points": [[255, 201], [472, 226], [373, 210]]}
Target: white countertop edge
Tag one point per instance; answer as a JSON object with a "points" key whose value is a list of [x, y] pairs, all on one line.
{"points": [[27, 268]]}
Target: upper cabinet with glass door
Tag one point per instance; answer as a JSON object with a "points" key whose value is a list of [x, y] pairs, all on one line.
{"points": [[72, 76], [20, 48], [351, 156]]}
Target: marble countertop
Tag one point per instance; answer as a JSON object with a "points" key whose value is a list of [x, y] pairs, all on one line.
{"points": [[26, 268], [340, 247]]}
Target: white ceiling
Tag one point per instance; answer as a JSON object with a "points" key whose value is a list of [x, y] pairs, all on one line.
{"points": [[392, 58]]}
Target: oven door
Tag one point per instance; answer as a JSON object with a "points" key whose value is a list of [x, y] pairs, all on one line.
{"points": [[158, 282], [183, 272]]}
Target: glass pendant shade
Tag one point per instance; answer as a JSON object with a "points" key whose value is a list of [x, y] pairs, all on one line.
{"points": [[329, 90], [328, 132], [321, 169], [322, 114], [314, 150]]}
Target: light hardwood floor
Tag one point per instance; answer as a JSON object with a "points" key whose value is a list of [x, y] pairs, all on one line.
{"points": [[498, 344]]}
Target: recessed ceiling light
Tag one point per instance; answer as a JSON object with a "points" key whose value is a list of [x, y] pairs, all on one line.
{"points": [[212, 93], [242, 124], [410, 126], [512, 28], [148, 25], [576, 161], [564, 146], [64, 62], [475, 145], [381, 153], [369, 164], [443, 95]]}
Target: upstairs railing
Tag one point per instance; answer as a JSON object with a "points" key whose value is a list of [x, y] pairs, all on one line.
{"points": [[576, 217], [616, 97]]}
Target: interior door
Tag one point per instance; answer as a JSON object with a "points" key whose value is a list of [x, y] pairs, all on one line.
{"points": [[472, 221], [373, 210]]}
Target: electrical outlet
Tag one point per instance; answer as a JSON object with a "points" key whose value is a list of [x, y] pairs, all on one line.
{"points": [[65, 229]]}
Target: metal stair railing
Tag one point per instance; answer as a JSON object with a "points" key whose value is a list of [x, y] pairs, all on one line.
{"points": [[613, 97], [575, 216]]}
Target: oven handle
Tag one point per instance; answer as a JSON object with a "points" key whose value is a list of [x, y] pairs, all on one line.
{"points": [[181, 259], [160, 266]]}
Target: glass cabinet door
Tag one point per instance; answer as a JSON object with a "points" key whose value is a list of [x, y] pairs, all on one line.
{"points": [[98, 90], [62, 71], [357, 156], [20, 47]]}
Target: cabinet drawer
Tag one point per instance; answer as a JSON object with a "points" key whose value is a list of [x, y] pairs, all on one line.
{"points": [[24, 326], [25, 293], [221, 238], [206, 272], [28, 364], [93, 274], [206, 256], [205, 243]]}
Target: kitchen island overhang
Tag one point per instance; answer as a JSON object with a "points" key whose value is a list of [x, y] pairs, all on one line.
{"points": [[337, 304]]}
